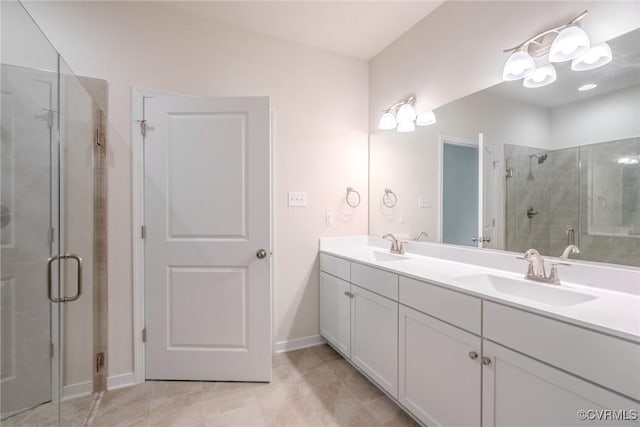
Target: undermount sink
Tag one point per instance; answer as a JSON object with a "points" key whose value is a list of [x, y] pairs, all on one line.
{"points": [[540, 292], [386, 256]]}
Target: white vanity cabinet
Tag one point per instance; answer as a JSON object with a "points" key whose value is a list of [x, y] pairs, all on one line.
{"points": [[520, 391], [440, 371], [440, 352], [374, 337], [360, 319], [335, 312], [556, 370]]}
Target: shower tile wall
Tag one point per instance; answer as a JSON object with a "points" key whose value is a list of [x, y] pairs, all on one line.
{"points": [[610, 202], [559, 190], [551, 189]]}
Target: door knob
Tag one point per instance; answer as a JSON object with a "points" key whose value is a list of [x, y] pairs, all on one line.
{"points": [[485, 361], [473, 355], [261, 253]]}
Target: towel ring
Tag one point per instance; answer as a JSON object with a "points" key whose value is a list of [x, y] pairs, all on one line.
{"points": [[352, 197], [389, 199]]}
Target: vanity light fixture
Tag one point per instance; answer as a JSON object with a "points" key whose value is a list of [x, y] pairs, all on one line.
{"points": [[566, 42], [595, 57], [405, 118], [588, 86], [426, 119], [387, 121], [542, 76], [571, 43]]}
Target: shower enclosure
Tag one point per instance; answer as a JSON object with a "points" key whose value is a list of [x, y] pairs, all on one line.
{"points": [[587, 195], [52, 232]]}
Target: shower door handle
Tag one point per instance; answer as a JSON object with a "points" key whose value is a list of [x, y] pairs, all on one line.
{"points": [[78, 261], [571, 236]]}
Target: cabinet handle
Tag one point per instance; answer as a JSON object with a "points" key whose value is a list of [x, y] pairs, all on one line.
{"points": [[473, 355], [349, 294], [485, 361]]}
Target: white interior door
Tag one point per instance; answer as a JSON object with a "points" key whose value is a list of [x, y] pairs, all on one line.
{"points": [[207, 217], [487, 187]]}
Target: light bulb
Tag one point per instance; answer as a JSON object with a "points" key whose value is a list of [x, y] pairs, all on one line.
{"points": [[406, 113], [426, 119], [542, 76], [387, 121], [595, 57], [406, 126], [571, 43], [520, 64]]}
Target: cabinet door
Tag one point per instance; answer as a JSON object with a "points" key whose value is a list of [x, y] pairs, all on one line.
{"points": [[520, 391], [439, 371], [374, 337], [335, 312]]}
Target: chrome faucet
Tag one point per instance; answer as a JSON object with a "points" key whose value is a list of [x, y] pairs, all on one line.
{"points": [[553, 274], [535, 272], [420, 235], [396, 246], [571, 249]]}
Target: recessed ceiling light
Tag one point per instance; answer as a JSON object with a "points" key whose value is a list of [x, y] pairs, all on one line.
{"points": [[588, 86]]}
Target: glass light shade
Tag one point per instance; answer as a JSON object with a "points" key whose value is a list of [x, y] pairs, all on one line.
{"points": [[570, 44], [406, 113], [425, 119], [387, 121], [520, 64], [595, 57], [542, 76], [406, 126]]}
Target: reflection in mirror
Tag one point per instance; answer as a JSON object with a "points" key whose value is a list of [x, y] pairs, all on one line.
{"points": [[557, 166]]}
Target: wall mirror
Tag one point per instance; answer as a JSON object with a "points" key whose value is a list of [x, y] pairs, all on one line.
{"points": [[512, 168]]}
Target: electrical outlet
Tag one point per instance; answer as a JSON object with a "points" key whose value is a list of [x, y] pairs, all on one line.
{"points": [[297, 198], [424, 202], [329, 219]]}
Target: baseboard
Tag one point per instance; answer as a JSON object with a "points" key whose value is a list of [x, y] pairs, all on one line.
{"points": [[120, 381], [77, 390], [298, 343]]}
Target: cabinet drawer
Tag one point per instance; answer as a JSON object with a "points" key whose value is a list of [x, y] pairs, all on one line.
{"points": [[335, 266], [611, 362], [378, 281], [452, 307]]}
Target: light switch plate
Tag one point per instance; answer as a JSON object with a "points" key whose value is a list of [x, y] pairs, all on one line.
{"points": [[297, 198]]}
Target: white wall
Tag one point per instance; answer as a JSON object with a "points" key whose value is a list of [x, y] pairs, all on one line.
{"points": [[457, 50], [320, 131], [603, 118]]}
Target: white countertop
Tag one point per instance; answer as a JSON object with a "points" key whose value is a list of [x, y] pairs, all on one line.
{"points": [[611, 312]]}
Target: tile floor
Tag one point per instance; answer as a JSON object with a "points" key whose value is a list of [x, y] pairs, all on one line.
{"points": [[310, 387]]}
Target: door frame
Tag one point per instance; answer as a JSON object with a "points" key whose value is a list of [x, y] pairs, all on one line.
{"points": [[138, 95], [453, 140]]}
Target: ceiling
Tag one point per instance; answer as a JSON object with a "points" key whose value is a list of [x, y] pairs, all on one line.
{"points": [[360, 29]]}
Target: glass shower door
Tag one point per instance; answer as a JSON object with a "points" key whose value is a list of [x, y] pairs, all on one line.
{"points": [[47, 231], [28, 208]]}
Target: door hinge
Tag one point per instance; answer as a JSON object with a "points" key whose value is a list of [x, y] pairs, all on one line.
{"points": [[99, 361], [493, 222], [144, 335], [144, 127], [143, 232], [50, 350], [52, 235], [100, 137]]}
